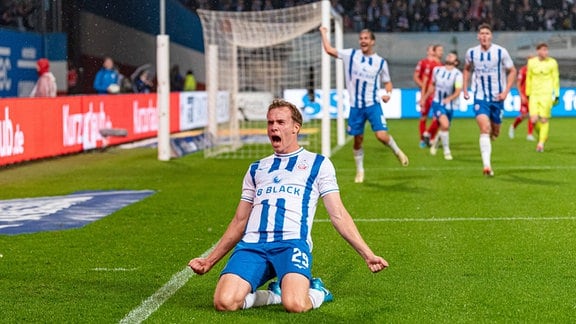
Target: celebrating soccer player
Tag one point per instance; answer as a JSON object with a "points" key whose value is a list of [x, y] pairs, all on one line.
{"points": [[494, 74], [271, 230], [444, 90], [365, 71]]}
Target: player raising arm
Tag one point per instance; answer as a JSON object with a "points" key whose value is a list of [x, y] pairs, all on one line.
{"points": [[366, 71]]}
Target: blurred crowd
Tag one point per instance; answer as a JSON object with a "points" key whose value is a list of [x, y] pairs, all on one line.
{"points": [[427, 15], [19, 14]]}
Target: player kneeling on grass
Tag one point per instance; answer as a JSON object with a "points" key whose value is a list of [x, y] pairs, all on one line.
{"points": [[445, 88], [271, 230]]}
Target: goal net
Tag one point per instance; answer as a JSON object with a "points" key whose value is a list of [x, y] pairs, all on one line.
{"points": [[254, 57]]}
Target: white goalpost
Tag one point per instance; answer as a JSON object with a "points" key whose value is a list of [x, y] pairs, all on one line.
{"points": [[254, 57]]}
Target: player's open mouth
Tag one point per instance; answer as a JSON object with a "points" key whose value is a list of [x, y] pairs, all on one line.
{"points": [[275, 138]]}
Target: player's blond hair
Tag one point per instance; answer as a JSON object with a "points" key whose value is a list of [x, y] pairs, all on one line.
{"points": [[295, 112]]}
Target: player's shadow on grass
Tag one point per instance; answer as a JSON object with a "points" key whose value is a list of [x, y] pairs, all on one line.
{"points": [[518, 177], [403, 186]]}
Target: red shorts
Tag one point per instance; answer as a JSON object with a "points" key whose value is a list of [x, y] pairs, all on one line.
{"points": [[524, 109]]}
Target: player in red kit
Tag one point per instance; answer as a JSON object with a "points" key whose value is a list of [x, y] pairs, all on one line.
{"points": [[423, 78], [524, 112]]}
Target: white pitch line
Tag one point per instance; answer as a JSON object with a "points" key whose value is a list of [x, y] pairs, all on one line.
{"points": [[466, 168], [152, 303], [114, 269], [451, 219]]}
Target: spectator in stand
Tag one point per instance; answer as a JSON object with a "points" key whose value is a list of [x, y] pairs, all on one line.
{"points": [[268, 5], [190, 81], [176, 79], [338, 7], [289, 3], [385, 14], [444, 13], [46, 84], [573, 16], [358, 17], [413, 15], [457, 16], [18, 14], [486, 12], [107, 78], [372, 15], [418, 17], [400, 16], [475, 13], [528, 15], [433, 16], [240, 6], [256, 5], [73, 78], [498, 15], [142, 83]]}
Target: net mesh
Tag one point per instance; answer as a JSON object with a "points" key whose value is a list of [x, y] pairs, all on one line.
{"points": [[262, 55]]}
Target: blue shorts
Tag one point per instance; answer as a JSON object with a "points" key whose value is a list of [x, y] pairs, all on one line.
{"points": [[259, 262], [358, 117], [493, 109], [439, 109]]}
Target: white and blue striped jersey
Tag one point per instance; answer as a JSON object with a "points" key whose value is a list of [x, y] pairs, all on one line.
{"points": [[364, 76], [488, 74], [445, 84], [284, 190]]}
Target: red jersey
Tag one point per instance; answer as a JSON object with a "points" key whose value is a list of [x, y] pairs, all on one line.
{"points": [[424, 69], [522, 80]]}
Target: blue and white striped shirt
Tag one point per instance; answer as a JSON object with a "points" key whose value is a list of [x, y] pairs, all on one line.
{"points": [[488, 74], [364, 76], [445, 83], [284, 190]]}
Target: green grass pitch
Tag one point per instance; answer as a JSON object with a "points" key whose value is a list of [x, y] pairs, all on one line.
{"points": [[461, 247]]}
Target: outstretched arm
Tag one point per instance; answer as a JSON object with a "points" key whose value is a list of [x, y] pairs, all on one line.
{"points": [[345, 226], [330, 50], [230, 238]]}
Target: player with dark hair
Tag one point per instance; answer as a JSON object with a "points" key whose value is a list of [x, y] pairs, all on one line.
{"points": [[365, 71], [493, 74], [271, 230], [543, 91], [444, 90]]}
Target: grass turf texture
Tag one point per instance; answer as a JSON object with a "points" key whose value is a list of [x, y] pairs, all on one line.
{"points": [[461, 247]]}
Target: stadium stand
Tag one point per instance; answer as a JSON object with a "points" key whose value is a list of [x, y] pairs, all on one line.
{"points": [[428, 15]]}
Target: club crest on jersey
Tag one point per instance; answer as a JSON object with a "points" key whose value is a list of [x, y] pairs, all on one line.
{"points": [[303, 166]]}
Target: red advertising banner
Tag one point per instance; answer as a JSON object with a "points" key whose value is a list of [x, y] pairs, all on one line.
{"points": [[35, 128]]}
